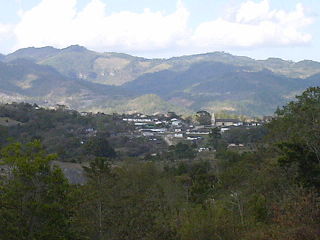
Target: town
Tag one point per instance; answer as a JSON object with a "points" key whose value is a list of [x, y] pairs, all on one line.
{"points": [[174, 128]]}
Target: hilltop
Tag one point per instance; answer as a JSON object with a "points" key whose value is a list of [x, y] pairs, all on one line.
{"points": [[117, 82]]}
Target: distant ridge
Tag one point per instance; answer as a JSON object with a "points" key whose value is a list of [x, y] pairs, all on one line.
{"points": [[90, 80]]}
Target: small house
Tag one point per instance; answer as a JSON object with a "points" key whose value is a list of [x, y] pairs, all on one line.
{"points": [[228, 122]]}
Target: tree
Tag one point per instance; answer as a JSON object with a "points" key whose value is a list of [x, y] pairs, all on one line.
{"points": [[131, 201], [296, 134], [182, 151], [215, 138], [33, 195], [99, 146], [3, 135], [93, 215], [203, 118]]}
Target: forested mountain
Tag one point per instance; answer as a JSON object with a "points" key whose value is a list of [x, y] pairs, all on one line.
{"points": [[217, 86], [115, 82], [24, 80], [32, 53]]}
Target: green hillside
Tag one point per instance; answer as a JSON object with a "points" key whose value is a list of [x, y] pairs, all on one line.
{"points": [[151, 104], [222, 87], [8, 122], [117, 82], [118, 68], [32, 53]]}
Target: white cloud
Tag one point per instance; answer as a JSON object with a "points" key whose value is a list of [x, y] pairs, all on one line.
{"points": [[255, 24], [252, 11], [6, 34], [4, 29], [58, 23]]}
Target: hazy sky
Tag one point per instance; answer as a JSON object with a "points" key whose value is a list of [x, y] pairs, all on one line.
{"points": [[289, 29]]}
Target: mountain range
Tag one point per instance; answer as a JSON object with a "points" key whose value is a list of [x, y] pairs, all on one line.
{"points": [[115, 82]]}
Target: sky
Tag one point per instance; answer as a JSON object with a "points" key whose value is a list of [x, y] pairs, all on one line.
{"points": [[288, 29]]}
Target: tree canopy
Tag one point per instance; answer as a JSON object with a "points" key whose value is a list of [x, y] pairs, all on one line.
{"points": [[33, 195], [296, 135]]}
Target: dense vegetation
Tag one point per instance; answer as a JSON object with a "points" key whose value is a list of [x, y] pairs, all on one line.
{"points": [[270, 193]]}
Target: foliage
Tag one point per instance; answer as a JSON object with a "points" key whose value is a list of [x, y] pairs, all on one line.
{"points": [[134, 201], [181, 151], [214, 139], [33, 195], [100, 147], [296, 133], [295, 217], [210, 222], [241, 135], [203, 118]]}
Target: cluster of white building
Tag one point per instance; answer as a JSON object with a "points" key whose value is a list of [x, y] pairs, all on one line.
{"points": [[173, 126]]}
